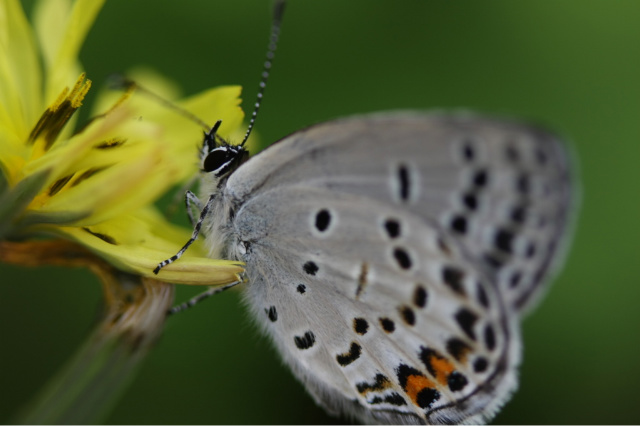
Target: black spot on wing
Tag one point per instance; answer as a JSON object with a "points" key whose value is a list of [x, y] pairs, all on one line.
{"points": [[541, 156], [483, 299], [323, 219], [310, 268], [480, 365], [360, 326], [392, 227], [355, 350], [427, 396], [403, 182], [402, 257], [503, 240], [490, 337], [380, 382], [467, 320], [457, 381], [393, 398], [468, 151], [518, 214], [515, 279], [408, 315], [523, 184], [305, 341], [458, 348], [420, 296], [470, 200], [530, 251], [480, 178], [272, 314], [512, 154], [459, 224], [387, 325], [453, 277]]}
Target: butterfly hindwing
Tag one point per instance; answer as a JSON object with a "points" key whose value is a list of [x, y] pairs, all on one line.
{"points": [[396, 338]]}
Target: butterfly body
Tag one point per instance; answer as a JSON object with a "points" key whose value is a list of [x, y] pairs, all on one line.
{"points": [[390, 256]]}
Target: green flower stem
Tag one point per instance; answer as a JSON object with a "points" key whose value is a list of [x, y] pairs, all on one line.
{"points": [[86, 389]]}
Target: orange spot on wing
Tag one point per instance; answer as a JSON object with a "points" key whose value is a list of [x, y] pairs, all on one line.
{"points": [[442, 368], [415, 384]]}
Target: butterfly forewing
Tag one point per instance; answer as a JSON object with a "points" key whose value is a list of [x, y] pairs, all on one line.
{"points": [[501, 189]]}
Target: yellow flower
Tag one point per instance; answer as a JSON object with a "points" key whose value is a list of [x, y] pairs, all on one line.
{"points": [[95, 184]]}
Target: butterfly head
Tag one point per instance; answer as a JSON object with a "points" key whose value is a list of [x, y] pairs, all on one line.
{"points": [[218, 157]]}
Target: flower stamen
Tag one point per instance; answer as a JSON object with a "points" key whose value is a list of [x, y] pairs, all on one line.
{"points": [[58, 114], [58, 185], [111, 143]]}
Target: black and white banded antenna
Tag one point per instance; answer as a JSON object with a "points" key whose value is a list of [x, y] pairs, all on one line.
{"points": [[278, 11]]}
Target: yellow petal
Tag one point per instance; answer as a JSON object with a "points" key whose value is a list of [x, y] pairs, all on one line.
{"points": [[103, 182], [139, 241], [50, 20], [12, 155], [220, 103], [63, 157], [62, 30], [20, 78]]}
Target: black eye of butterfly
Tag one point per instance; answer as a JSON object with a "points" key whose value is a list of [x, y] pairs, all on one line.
{"points": [[224, 160], [218, 161]]}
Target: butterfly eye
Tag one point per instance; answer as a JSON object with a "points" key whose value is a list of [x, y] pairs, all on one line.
{"points": [[225, 159], [219, 161]]}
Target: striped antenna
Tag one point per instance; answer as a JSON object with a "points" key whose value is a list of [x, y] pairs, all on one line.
{"points": [[278, 11]]}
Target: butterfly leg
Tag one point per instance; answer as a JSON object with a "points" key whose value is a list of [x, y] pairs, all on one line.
{"points": [[194, 236], [200, 297]]}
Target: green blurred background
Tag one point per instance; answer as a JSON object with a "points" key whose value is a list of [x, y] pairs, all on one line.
{"points": [[571, 65]]}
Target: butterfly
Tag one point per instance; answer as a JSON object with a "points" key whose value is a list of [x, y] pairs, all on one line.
{"points": [[390, 257]]}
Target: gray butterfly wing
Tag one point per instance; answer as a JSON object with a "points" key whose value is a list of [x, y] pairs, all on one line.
{"points": [[416, 226], [502, 189], [377, 311]]}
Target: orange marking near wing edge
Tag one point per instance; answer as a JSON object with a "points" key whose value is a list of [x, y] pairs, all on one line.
{"points": [[443, 368], [415, 384]]}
